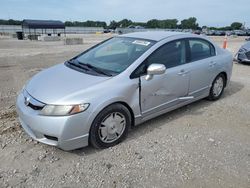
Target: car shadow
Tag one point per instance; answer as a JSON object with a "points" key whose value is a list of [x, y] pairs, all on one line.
{"points": [[233, 88], [146, 127], [244, 63]]}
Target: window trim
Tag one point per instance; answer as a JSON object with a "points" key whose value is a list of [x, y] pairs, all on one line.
{"points": [[133, 75]]}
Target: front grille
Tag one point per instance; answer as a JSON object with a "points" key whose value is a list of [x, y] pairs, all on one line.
{"points": [[248, 55]]}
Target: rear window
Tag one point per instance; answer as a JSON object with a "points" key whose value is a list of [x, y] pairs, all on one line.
{"points": [[200, 49]]}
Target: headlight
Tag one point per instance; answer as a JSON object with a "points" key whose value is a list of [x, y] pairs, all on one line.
{"points": [[58, 110]]}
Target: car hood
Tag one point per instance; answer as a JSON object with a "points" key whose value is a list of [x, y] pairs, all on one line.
{"points": [[246, 46], [55, 83]]}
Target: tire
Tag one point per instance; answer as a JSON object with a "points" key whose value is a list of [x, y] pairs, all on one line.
{"points": [[217, 88], [110, 126]]}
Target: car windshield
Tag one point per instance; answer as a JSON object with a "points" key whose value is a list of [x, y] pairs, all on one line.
{"points": [[114, 55]]}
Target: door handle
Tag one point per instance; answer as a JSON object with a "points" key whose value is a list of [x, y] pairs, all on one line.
{"points": [[212, 63], [183, 72]]}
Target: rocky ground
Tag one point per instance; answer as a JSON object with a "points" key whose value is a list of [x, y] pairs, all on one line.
{"points": [[205, 144]]}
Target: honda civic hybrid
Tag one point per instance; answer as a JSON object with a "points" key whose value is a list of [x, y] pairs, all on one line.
{"points": [[97, 96]]}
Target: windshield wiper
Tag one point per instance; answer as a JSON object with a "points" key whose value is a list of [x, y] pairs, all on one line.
{"points": [[98, 70], [76, 64]]}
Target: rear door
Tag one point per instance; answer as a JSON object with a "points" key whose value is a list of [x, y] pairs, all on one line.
{"points": [[164, 91], [202, 64]]}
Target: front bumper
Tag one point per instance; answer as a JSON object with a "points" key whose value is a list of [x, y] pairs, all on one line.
{"points": [[65, 132]]}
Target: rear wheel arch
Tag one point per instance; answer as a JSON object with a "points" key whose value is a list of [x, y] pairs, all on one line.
{"points": [[217, 88], [225, 76]]}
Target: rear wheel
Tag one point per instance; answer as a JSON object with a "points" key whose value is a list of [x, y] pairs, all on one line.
{"points": [[217, 87], [110, 126]]}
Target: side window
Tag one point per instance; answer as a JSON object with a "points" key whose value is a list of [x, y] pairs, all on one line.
{"points": [[171, 54], [200, 49]]}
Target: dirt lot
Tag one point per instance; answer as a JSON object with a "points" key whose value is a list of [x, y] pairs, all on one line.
{"points": [[206, 144]]}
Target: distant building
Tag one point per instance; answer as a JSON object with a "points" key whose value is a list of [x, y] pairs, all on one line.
{"points": [[38, 27]]}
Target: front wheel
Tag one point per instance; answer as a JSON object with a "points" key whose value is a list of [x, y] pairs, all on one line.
{"points": [[217, 87], [110, 126]]}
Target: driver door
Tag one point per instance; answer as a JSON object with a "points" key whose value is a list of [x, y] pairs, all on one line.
{"points": [[168, 89]]}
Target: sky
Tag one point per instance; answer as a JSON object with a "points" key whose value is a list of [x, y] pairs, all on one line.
{"points": [[208, 12]]}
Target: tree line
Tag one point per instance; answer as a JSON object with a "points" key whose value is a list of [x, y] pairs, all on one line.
{"points": [[189, 23], [10, 22], [86, 24]]}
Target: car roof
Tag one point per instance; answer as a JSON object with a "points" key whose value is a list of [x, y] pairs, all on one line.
{"points": [[153, 35]]}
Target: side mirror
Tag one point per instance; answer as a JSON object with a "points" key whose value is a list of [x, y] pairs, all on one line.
{"points": [[155, 69]]}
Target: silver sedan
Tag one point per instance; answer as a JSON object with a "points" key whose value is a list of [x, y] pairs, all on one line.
{"points": [[95, 97]]}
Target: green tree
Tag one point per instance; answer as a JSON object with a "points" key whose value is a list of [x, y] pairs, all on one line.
{"points": [[189, 23], [153, 24], [10, 22], [113, 25], [163, 24], [170, 23], [236, 25], [143, 24], [88, 23], [125, 23]]}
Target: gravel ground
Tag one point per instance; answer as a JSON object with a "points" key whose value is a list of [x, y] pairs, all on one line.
{"points": [[205, 144]]}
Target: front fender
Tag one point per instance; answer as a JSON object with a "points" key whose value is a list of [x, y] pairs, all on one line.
{"points": [[124, 93]]}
